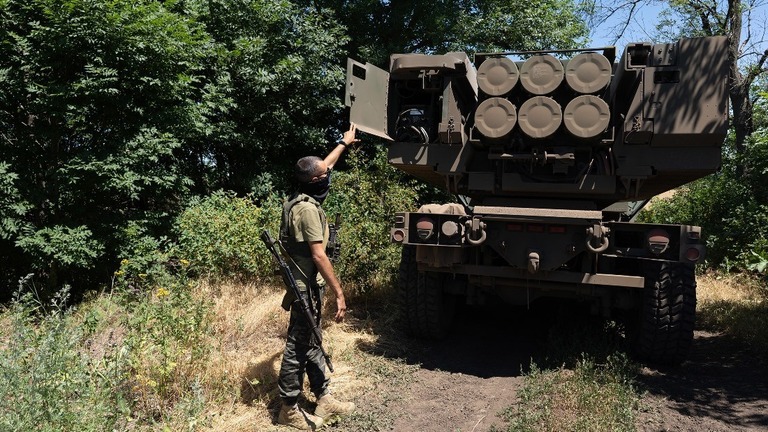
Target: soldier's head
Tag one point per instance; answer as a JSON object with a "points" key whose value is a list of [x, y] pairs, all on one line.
{"points": [[314, 177], [310, 169]]}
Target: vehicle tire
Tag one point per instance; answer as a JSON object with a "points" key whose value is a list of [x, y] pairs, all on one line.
{"points": [[668, 314], [427, 310]]}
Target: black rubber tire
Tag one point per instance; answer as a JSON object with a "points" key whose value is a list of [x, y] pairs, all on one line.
{"points": [[668, 314], [426, 309]]}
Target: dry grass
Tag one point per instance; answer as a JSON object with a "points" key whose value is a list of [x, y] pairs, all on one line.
{"points": [[737, 288], [247, 346], [5, 327], [247, 341], [664, 196], [736, 304], [249, 337]]}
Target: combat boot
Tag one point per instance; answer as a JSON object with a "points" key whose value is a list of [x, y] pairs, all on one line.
{"points": [[296, 417], [328, 406]]}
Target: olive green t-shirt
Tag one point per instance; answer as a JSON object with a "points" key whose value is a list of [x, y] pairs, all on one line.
{"points": [[306, 223]]}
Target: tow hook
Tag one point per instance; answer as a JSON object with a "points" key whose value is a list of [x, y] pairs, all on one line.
{"points": [[475, 231], [597, 235]]}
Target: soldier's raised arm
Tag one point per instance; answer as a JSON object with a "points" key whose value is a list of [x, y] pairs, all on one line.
{"points": [[346, 140]]}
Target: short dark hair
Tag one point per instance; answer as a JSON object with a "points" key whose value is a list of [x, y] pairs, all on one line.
{"points": [[306, 168]]}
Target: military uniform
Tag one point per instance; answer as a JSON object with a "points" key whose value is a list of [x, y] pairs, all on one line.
{"points": [[303, 221]]}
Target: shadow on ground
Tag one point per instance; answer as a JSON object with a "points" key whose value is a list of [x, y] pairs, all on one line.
{"points": [[722, 381], [490, 341], [721, 387]]}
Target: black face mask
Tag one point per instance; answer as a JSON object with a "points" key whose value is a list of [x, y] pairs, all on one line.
{"points": [[319, 189]]}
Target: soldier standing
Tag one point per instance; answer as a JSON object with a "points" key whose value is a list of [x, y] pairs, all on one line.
{"points": [[304, 232]]}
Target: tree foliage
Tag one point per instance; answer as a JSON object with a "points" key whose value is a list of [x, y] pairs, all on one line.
{"points": [[95, 99], [277, 73], [747, 45], [379, 28], [114, 113], [731, 205], [730, 18]]}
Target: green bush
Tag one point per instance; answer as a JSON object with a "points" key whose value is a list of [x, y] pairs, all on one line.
{"points": [[220, 235], [147, 261], [367, 196], [47, 382], [166, 341], [731, 206]]}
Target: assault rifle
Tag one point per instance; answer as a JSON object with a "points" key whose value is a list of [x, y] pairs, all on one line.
{"points": [[277, 250]]}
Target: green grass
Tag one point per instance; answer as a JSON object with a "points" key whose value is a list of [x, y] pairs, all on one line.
{"points": [[590, 397], [586, 382], [47, 381]]}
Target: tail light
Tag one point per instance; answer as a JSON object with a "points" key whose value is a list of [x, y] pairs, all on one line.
{"points": [[425, 228], [692, 254], [657, 241]]}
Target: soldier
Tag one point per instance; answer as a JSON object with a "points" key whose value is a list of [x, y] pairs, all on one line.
{"points": [[304, 232]]}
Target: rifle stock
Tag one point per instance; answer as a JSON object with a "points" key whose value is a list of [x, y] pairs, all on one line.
{"points": [[276, 248]]}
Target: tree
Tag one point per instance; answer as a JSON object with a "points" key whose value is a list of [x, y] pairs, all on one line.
{"points": [[379, 28], [281, 63], [95, 100], [113, 113], [710, 18]]}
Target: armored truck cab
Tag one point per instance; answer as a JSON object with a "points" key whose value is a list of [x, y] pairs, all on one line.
{"points": [[550, 152]]}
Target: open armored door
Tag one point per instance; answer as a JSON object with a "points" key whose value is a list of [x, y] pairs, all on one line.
{"points": [[366, 95]]}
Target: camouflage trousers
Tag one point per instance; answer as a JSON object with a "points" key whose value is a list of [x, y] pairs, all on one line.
{"points": [[302, 355]]}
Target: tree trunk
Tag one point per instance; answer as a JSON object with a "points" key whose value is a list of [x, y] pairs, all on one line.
{"points": [[738, 84]]}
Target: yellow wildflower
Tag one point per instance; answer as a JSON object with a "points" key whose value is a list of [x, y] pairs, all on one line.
{"points": [[184, 262], [124, 262], [162, 292]]}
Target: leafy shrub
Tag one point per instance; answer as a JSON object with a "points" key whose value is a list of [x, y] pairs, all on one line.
{"points": [[367, 197], [166, 335], [47, 382], [731, 206], [220, 235], [147, 261]]}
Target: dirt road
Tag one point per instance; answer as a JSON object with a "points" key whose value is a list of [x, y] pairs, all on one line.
{"points": [[464, 383]]}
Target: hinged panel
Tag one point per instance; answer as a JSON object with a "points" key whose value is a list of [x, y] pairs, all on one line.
{"points": [[366, 95]]}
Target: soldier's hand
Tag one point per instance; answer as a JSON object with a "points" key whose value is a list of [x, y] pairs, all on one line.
{"points": [[341, 308], [349, 136]]}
